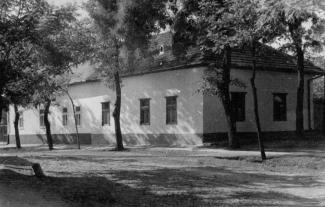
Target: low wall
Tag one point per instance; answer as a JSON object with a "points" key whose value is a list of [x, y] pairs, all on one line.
{"points": [[248, 137], [161, 140], [85, 139]]}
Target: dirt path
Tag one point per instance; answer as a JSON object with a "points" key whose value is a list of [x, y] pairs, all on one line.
{"points": [[204, 177]]}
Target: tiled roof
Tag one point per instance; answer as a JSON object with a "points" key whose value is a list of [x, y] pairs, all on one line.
{"points": [[273, 60]]}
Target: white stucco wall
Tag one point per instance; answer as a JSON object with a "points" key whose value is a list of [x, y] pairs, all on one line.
{"points": [[267, 83], [197, 114], [156, 86]]}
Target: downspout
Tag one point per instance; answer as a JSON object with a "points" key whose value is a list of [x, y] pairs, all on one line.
{"points": [[309, 98]]}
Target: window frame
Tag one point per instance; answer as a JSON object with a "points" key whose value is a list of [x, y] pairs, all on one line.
{"points": [[21, 120], [278, 116], [78, 115], [65, 116], [171, 109], [108, 111], [161, 50], [145, 108], [42, 118], [235, 115], [4, 118]]}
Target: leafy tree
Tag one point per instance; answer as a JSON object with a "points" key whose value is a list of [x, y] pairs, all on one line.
{"points": [[250, 36], [20, 93], [207, 24], [62, 45], [299, 25], [65, 90], [18, 22], [122, 28]]}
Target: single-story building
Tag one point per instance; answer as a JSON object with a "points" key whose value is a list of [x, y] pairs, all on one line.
{"points": [[161, 105]]}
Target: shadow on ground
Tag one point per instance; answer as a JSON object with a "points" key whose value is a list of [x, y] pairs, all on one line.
{"points": [[224, 187], [94, 191]]}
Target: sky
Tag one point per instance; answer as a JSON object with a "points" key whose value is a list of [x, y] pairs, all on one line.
{"points": [[82, 12], [62, 2]]}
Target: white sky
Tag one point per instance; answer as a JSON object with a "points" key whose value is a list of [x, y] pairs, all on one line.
{"points": [[82, 12], [62, 2]]}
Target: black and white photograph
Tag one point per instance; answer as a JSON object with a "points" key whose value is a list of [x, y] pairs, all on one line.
{"points": [[162, 103]]}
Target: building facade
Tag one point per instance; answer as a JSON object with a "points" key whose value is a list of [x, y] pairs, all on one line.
{"points": [[161, 105], [165, 109]]}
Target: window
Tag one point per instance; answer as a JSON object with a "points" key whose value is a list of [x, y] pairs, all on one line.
{"points": [[279, 107], [41, 117], [78, 115], [144, 111], [238, 106], [21, 120], [65, 116], [3, 119], [161, 50], [105, 114], [171, 110]]}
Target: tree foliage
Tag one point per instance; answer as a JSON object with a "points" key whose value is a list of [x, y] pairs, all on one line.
{"points": [[39, 45], [299, 27], [122, 29], [207, 25]]}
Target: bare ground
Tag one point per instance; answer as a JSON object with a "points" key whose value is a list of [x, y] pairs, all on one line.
{"points": [[167, 177]]}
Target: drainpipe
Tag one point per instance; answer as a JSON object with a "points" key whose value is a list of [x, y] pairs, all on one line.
{"points": [[309, 99]]}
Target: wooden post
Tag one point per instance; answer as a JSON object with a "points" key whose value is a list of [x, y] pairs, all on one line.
{"points": [[38, 170]]}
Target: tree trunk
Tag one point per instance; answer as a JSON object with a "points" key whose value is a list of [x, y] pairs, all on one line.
{"points": [[1, 106], [297, 39], [300, 95], [16, 124], [48, 124], [324, 106], [256, 111], [117, 112], [225, 99], [3, 69], [75, 120]]}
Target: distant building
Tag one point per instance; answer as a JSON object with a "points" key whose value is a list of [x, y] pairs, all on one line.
{"points": [[161, 105]]}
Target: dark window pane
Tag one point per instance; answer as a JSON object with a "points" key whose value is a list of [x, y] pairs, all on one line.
{"points": [[279, 107], [105, 113], [171, 110], [78, 119], [42, 124], [4, 118], [238, 107], [21, 120], [65, 119], [144, 111], [105, 105]]}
